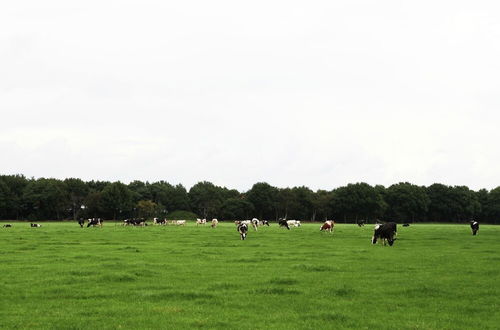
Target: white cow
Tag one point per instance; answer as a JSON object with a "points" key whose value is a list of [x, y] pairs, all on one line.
{"points": [[179, 222], [215, 222], [294, 223], [201, 221], [255, 223]]}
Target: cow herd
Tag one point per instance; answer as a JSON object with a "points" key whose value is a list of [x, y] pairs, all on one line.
{"points": [[382, 232]]}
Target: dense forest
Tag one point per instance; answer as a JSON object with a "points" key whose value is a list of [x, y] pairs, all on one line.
{"points": [[24, 198]]}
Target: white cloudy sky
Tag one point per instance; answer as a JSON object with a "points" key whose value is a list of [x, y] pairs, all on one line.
{"points": [[315, 93]]}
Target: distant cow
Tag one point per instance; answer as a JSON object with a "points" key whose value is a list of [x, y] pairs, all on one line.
{"points": [[35, 225], [243, 229], [406, 225], [294, 223], [215, 222], [386, 232], [328, 226], [94, 222], [135, 222], [81, 222], [201, 221], [255, 223], [179, 222], [157, 221], [474, 225], [7, 225], [361, 223], [283, 223], [264, 223]]}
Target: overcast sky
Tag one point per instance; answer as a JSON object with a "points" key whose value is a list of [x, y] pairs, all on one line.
{"points": [[314, 93]]}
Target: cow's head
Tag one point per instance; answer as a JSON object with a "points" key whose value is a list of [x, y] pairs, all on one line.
{"points": [[374, 239]]}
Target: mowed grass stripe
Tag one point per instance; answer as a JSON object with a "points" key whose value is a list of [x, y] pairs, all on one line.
{"points": [[63, 276]]}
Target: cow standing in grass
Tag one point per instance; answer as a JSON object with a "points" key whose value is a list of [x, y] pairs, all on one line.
{"points": [[157, 221], [293, 223], [386, 232], [35, 225], [264, 223], [283, 223], [215, 222], [328, 226], [255, 223], [7, 225], [81, 222], [243, 229], [94, 222], [474, 225]]}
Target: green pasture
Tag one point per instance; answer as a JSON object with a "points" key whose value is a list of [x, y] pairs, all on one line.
{"points": [[61, 276]]}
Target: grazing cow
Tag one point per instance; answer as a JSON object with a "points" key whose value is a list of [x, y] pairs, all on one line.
{"points": [[135, 222], [283, 223], [361, 223], [246, 222], [328, 226], [94, 222], [81, 222], [157, 221], [243, 229], [180, 222], [35, 225], [201, 221], [255, 223], [264, 223], [215, 222], [386, 232], [406, 225], [293, 223], [474, 225], [7, 225], [237, 222]]}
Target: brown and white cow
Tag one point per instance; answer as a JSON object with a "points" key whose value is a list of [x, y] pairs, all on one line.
{"points": [[328, 226]]}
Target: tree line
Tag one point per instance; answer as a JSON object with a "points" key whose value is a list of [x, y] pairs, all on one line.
{"points": [[24, 198]]}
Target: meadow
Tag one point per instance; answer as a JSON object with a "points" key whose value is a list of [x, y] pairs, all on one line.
{"points": [[61, 276]]}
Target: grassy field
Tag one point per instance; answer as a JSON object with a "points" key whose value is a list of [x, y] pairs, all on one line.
{"points": [[61, 276]]}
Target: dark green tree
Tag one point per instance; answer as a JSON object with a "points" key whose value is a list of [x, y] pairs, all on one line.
{"points": [[236, 209], [407, 202], [77, 190], [263, 197], [206, 199], [117, 200], [46, 199]]}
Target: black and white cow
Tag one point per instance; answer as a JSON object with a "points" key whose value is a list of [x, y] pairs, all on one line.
{"points": [[243, 229], [385, 232], [135, 222], [81, 222], [283, 223], [255, 223], [406, 225], [264, 223], [157, 221], [94, 222], [361, 223], [7, 225], [35, 225], [474, 225]]}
